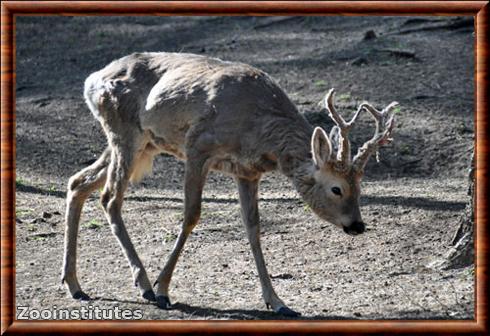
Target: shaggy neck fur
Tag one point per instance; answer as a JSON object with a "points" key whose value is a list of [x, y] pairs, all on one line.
{"points": [[295, 160]]}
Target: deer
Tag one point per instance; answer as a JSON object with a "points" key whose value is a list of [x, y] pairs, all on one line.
{"points": [[214, 115]]}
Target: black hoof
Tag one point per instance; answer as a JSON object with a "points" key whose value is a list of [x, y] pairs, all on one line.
{"points": [[163, 302], [81, 296], [149, 295], [285, 311]]}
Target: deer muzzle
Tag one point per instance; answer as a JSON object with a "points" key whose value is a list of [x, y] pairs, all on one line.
{"points": [[355, 228]]}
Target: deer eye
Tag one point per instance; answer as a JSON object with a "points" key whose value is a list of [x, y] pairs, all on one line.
{"points": [[336, 191]]}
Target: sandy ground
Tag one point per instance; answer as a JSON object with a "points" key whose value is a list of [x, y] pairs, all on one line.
{"points": [[411, 200]]}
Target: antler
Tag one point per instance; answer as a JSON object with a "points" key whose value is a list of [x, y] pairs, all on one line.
{"points": [[342, 128], [384, 118]]}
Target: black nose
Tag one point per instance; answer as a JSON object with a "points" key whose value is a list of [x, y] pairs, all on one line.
{"points": [[355, 228]]}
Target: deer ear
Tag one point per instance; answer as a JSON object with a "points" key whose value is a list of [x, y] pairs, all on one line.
{"points": [[320, 147]]}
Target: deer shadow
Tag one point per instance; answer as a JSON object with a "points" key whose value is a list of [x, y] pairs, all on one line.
{"points": [[233, 314], [412, 202]]}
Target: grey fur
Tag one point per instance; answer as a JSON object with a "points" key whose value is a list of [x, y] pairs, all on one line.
{"points": [[215, 115]]}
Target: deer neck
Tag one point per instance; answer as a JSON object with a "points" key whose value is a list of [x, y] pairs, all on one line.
{"points": [[295, 160], [300, 170]]}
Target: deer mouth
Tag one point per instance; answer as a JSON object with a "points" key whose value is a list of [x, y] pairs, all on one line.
{"points": [[355, 228]]}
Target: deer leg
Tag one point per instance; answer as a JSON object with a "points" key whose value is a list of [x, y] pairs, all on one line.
{"points": [[80, 186], [248, 193], [195, 177], [118, 175]]}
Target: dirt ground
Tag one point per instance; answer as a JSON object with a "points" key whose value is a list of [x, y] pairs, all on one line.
{"points": [[411, 200]]}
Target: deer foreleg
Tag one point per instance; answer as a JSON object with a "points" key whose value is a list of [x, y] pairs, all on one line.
{"points": [[248, 191]]}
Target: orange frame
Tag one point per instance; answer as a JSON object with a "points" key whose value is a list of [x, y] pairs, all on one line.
{"points": [[9, 9]]}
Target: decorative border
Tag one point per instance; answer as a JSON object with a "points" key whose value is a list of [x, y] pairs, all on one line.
{"points": [[9, 9]]}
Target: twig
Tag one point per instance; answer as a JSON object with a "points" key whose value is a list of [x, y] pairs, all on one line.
{"points": [[446, 308], [274, 21], [43, 235], [399, 52], [415, 21], [450, 26]]}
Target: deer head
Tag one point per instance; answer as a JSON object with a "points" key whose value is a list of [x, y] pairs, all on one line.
{"points": [[335, 180]]}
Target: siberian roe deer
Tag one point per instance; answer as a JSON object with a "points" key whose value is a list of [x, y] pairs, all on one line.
{"points": [[217, 115]]}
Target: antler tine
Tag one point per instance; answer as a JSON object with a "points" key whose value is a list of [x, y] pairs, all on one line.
{"points": [[336, 117], [343, 153], [354, 118], [384, 118]]}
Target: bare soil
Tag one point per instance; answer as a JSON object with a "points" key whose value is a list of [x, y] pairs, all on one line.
{"points": [[412, 198]]}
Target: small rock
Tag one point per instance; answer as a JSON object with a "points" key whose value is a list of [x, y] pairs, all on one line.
{"points": [[369, 35]]}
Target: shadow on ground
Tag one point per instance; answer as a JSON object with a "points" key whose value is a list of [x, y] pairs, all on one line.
{"points": [[413, 202], [236, 314]]}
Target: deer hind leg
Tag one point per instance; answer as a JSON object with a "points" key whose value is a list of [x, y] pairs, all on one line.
{"points": [[248, 193], [80, 186], [196, 171], [124, 156]]}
